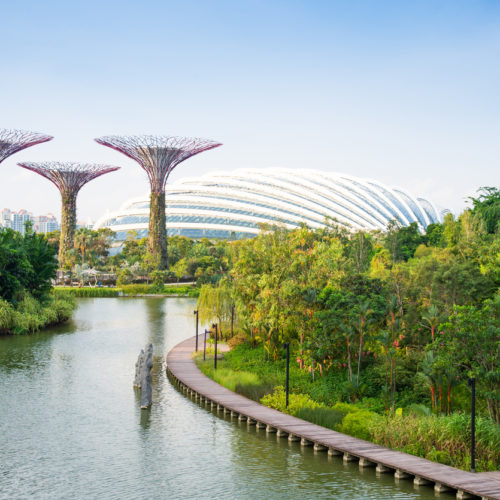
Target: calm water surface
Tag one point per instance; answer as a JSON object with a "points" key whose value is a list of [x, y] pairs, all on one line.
{"points": [[71, 426]]}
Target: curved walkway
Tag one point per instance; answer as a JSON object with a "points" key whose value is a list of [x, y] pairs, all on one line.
{"points": [[183, 370]]}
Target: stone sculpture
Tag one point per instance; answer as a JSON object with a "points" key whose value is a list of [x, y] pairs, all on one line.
{"points": [[143, 377]]}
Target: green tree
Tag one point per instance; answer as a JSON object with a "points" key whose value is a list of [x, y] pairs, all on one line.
{"points": [[42, 263], [14, 265], [471, 342], [403, 241], [487, 204]]}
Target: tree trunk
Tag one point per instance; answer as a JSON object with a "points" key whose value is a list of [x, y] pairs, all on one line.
{"points": [[68, 225], [157, 232]]}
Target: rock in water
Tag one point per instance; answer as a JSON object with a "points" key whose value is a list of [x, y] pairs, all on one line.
{"points": [[146, 388], [138, 369]]}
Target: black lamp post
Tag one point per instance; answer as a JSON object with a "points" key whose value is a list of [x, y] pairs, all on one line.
{"points": [[205, 345], [196, 312], [287, 384], [232, 320], [215, 355], [472, 383]]}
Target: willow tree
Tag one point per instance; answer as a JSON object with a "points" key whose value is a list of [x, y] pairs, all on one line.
{"points": [[215, 304], [69, 178], [158, 156]]}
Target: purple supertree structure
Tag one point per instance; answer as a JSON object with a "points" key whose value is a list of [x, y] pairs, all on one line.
{"points": [[12, 141], [69, 177], [158, 156]]}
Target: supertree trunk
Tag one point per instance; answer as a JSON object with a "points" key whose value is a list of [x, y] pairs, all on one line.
{"points": [[68, 226], [157, 240]]}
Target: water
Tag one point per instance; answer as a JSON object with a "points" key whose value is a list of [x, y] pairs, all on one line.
{"points": [[72, 428]]}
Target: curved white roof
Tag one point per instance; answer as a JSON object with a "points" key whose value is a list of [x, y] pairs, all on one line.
{"points": [[234, 204]]}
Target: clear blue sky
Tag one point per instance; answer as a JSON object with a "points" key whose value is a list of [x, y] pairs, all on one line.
{"points": [[404, 92]]}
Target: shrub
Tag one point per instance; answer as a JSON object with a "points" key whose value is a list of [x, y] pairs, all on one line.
{"points": [[359, 424], [125, 277], [277, 400], [31, 315], [6, 317], [238, 339]]}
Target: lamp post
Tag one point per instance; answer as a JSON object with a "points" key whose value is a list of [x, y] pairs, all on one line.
{"points": [[205, 345], [287, 385], [472, 383], [215, 355], [196, 312], [232, 320]]}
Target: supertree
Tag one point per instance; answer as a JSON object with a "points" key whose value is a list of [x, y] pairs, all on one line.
{"points": [[69, 178], [12, 141], [158, 156]]}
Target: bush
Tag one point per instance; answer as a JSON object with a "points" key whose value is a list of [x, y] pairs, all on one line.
{"points": [[31, 315], [277, 400], [7, 314], [359, 424], [238, 339], [125, 277]]}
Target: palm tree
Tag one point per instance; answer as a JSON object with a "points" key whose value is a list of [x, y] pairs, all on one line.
{"points": [[432, 319]]}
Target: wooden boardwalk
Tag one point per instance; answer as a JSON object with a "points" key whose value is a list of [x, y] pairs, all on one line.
{"points": [[189, 378]]}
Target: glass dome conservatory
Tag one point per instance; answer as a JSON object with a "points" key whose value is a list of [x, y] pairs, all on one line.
{"points": [[233, 205]]}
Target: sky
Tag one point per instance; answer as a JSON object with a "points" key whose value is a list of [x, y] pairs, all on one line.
{"points": [[403, 92]]}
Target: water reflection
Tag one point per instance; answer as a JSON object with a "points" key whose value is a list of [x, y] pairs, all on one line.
{"points": [[72, 426]]}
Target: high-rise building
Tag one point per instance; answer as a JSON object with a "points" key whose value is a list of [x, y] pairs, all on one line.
{"points": [[45, 223], [17, 221]]}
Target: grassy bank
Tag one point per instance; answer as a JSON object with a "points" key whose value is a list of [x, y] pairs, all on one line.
{"points": [[30, 315], [413, 429], [127, 290]]}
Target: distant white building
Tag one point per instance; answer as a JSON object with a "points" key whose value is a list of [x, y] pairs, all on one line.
{"points": [[17, 220], [235, 204]]}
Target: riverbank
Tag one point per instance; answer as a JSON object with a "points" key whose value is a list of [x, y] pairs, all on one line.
{"points": [[30, 315], [170, 290], [441, 438], [185, 373]]}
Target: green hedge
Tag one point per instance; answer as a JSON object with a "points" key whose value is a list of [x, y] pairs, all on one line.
{"points": [[133, 289], [85, 292]]}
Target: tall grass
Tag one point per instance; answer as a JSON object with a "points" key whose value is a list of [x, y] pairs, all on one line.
{"points": [[444, 439], [86, 292], [127, 290], [245, 383], [31, 315], [326, 417]]}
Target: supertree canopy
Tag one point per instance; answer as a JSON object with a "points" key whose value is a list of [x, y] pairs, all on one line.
{"points": [[69, 177], [12, 141], [158, 156]]}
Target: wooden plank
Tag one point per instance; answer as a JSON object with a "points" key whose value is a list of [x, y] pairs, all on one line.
{"points": [[183, 369]]}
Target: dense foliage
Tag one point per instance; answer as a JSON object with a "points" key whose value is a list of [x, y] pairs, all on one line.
{"points": [[27, 266], [387, 320]]}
